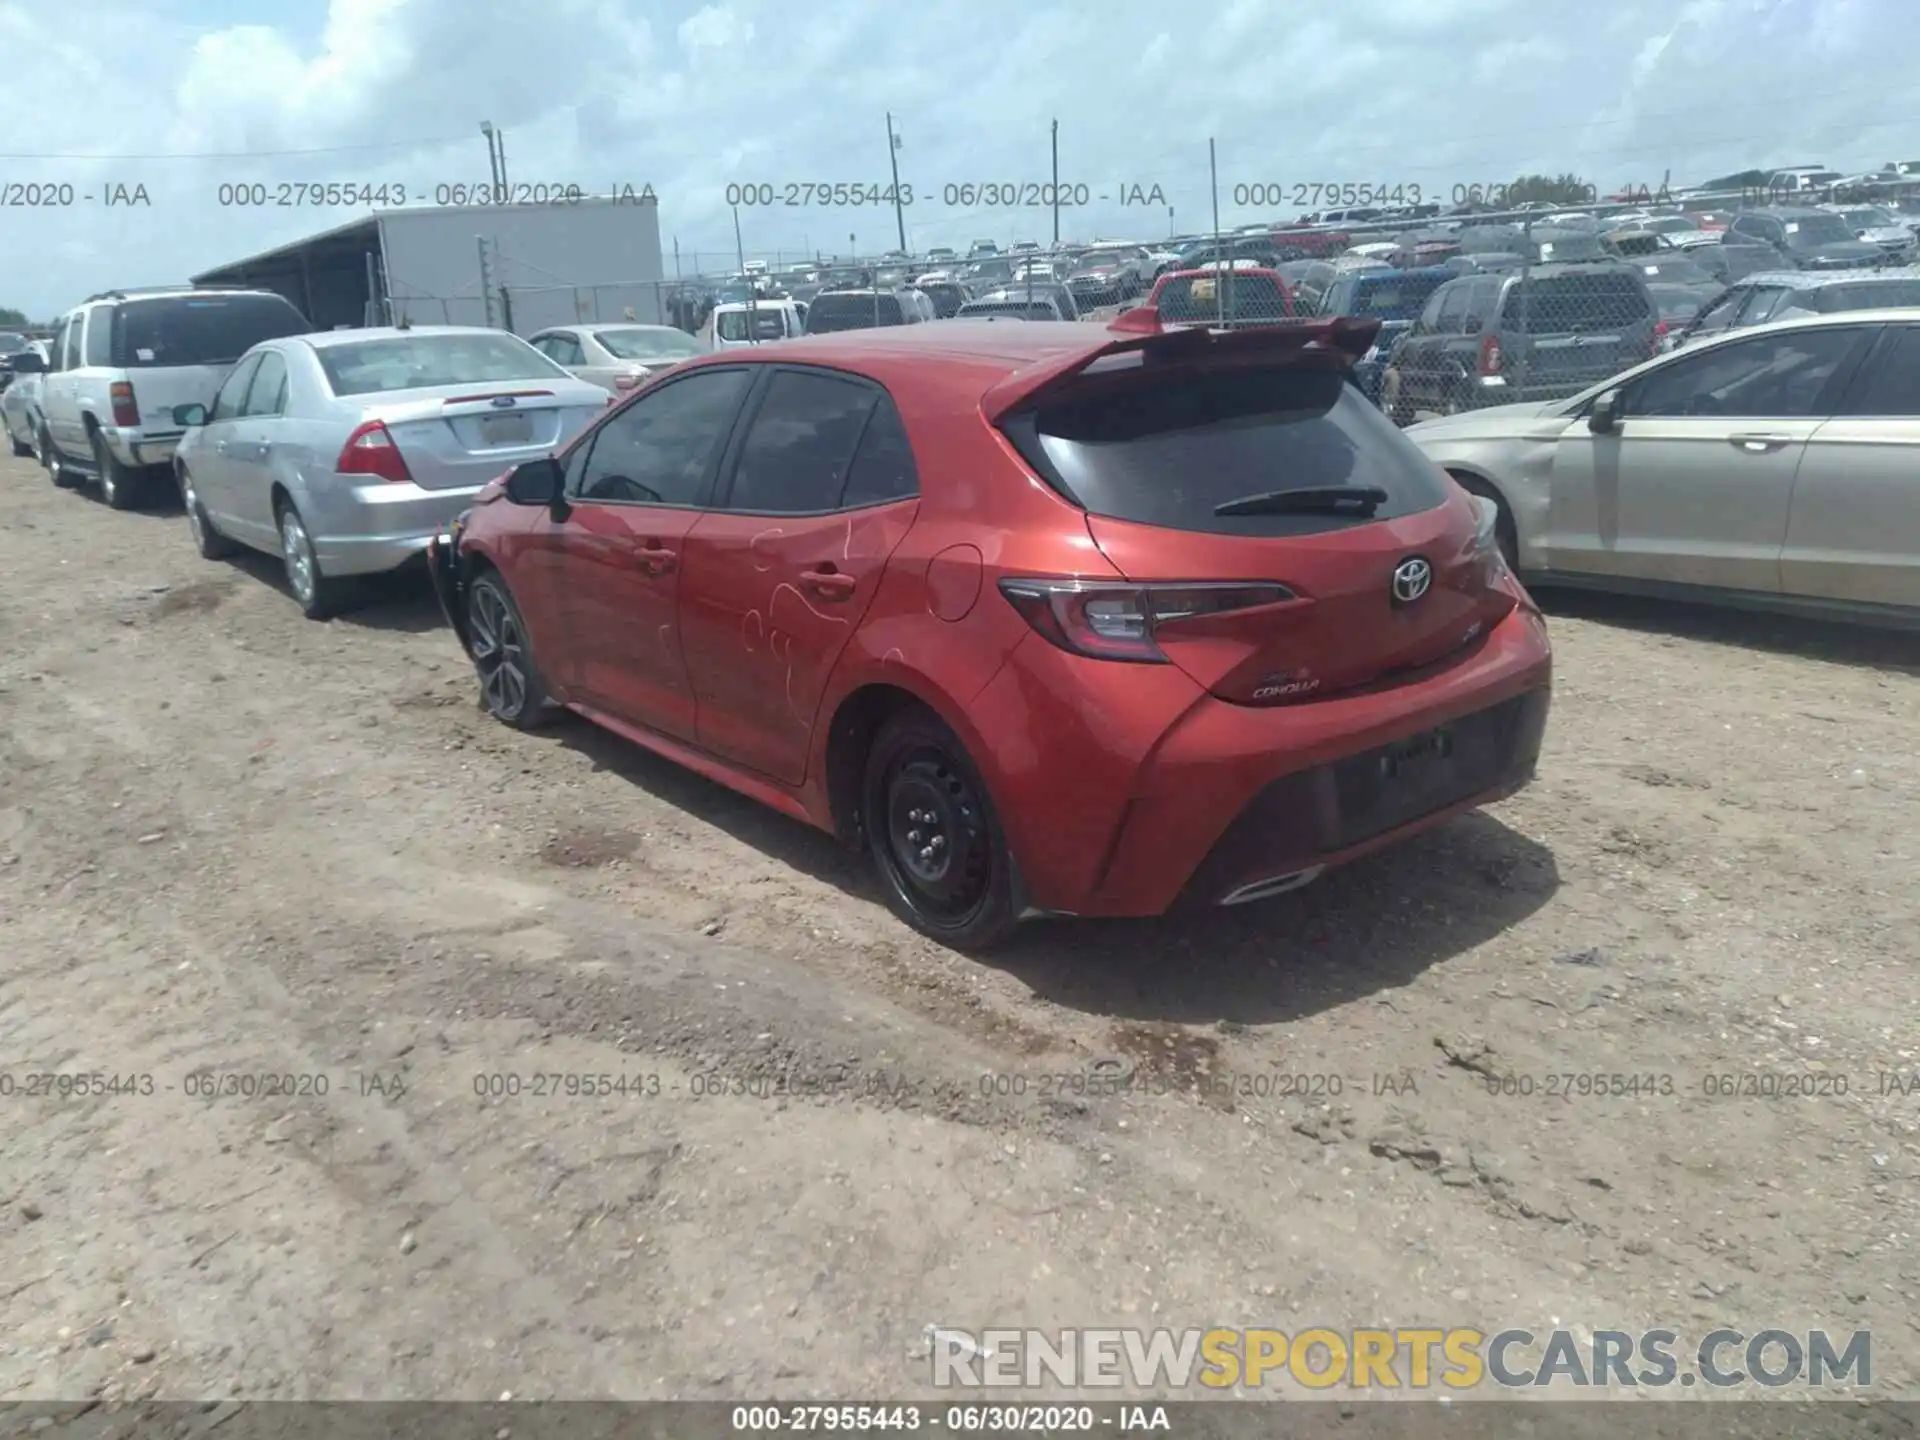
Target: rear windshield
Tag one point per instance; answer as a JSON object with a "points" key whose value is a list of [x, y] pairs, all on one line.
{"points": [[1577, 303], [1870, 296], [11, 343], [1569, 247], [646, 344], [1167, 451], [853, 312], [420, 362], [1225, 297], [742, 325], [1401, 299], [205, 329]]}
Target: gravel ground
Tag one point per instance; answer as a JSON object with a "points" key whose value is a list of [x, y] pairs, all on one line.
{"points": [[234, 843]]}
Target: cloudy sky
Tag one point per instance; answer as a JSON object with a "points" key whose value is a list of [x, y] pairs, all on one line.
{"points": [[181, 97]]}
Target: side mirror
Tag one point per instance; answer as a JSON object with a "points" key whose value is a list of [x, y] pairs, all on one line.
{"points": [[27, 362], [1604, 417], [188, 416], [536, 482]]}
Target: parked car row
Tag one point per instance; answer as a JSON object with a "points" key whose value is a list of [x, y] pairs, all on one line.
{"points": [[341, 451]]}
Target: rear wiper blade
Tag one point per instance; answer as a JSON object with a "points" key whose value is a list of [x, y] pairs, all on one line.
{"points": [[1308, 500]]}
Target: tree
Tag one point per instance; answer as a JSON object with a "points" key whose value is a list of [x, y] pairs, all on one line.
{"points": [[1561, 190], [15, 318]]}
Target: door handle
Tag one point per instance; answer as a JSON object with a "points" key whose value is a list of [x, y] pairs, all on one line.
{"points": [[219, 447], [829, 584], [655, 560], [1758, 444]]}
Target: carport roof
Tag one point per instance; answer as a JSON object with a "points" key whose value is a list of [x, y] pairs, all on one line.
{"points": [[342, 243]]}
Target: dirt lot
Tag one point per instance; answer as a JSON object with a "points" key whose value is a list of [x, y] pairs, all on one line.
{"points": [[234, 843]]}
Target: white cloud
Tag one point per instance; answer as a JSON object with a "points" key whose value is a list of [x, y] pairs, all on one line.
{"points": [[691, 96]]}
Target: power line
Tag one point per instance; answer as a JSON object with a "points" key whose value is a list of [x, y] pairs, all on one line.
{"points": [[254, 154]]}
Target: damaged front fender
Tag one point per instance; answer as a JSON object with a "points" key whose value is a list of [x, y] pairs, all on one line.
{"points": [[448, 571]]}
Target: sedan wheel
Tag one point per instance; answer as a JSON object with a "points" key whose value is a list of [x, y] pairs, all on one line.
{"points": [[511, 689], [319, 595], [211, 544]]}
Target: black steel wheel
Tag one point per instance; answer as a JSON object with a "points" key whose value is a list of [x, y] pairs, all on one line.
{"points": [[934, 836], [511, 688]]}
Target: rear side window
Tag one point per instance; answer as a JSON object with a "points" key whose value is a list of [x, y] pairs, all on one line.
{"points": [[883, 470], [1890, 383], [799, 450], [1167, 451], [200, 329], [1598, 301], [853, 312], [99, 340]]}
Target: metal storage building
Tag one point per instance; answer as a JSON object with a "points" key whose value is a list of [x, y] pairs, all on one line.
{"points": [[522, 267]]}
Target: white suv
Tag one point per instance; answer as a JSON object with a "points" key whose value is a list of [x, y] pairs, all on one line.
{"points": [[123, 359]]}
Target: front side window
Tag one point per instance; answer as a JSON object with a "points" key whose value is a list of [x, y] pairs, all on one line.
{"points": [[658, 450], [1771, 376]]}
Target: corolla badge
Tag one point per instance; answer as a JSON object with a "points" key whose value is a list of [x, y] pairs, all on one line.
{"points": [[1298, 682], [1411, 579]]}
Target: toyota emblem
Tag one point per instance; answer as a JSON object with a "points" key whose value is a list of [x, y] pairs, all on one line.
{"points": [[1411, 578]]}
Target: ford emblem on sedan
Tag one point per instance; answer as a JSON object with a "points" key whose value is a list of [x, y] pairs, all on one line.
{"points": [[1411, 578]]}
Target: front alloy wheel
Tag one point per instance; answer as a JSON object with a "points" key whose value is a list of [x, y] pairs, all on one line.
{"points": [[211, 544], [511, 689]]}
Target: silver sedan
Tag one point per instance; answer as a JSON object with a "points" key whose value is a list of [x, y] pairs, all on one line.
{"points": [[345, 452], [1772, 468], [618, 358]]}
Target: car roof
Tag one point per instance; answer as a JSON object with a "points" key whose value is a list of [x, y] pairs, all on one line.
{"points": [[1822, 279]]}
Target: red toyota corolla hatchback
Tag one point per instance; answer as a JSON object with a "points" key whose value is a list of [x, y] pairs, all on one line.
{"points": [[1047, 618]]}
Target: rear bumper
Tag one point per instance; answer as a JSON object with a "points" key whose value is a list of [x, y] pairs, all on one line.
{"points": [[363, 528], [1112, 815], [140, 448]]}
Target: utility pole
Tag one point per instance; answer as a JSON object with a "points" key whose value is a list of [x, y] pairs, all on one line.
{"points": [[1056, 184], [1220, 256], [753, 325], [493, 159], [893, 159]]}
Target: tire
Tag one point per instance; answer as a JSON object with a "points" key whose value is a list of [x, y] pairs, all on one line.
{"points": [[934, 837], [512, 689], [122, 487], [211, 544], [56, 463], [22, 449], [319, 596]]}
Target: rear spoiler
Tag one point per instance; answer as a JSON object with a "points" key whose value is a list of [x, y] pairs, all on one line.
{"points": [[1345, 335]]}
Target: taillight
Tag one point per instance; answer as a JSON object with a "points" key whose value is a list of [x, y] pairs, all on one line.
{"points": [[1490, 354], [370, 451], [1120, 622], [125, 410]]}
